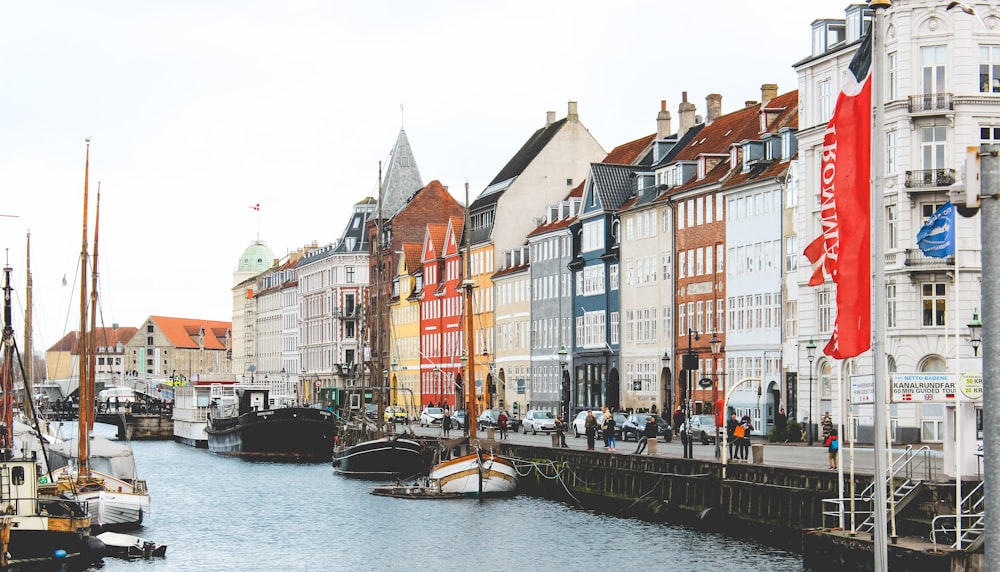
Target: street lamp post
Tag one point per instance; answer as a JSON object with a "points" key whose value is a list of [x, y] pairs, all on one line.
{"points": [[666, 364], [720, 416], [564, 384], [975, 328], [690, 364], [810, 355]]}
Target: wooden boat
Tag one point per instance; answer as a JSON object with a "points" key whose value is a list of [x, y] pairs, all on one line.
{"points": [[255, 427], [477, 474], [32, 529], [131, 547], [384, 457]]}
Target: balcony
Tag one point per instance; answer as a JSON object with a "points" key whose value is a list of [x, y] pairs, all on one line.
{"points": [[931, 103], [929, 179], [916, 261]]}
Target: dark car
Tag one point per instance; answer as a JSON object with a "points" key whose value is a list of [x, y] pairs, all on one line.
{"points": [[489, 417], [635, 424], [458, 419]]}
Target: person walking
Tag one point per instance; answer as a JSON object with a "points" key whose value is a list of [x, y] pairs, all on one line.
{"points": [[590, 426], [731, 424], [561, 431], [649, 431], [832, 444], [502, 424], [446, 423], [827, 424], [609, 431], [605, 415], [781, 426], [744, 446]]}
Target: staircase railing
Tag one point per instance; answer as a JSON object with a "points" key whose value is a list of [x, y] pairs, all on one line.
{"points": [[972, 519]]}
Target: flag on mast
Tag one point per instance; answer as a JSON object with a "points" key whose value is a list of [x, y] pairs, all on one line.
{"points": [[937, 237], [843, 250]]}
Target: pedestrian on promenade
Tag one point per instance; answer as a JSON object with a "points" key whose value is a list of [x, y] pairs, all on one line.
{"points": [[738, 441], [649, 431], [446, 423], [561, 431], [731, 424], [590, 426], [502, 424], [605, 415], [678, 420], [827, 424], [832, 444], [781, 426], [609, 431]]}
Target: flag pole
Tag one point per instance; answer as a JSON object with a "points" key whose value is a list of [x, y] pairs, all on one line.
{"points": [[881, 405], [958, 403]]}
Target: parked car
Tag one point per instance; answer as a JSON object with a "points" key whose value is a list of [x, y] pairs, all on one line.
{"points": [[371, 411], [702, 428], [431, 416], [489, 417], [635, 424], [396, 414], [581, 418], [458, 419], [538, 420]]}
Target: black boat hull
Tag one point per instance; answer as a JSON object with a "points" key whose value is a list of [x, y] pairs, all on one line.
{"points": [[381, 458], [302, 434], [36, 547]]}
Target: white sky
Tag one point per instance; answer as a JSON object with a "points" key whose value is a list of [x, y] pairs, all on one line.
{"points": [[199, 109]]}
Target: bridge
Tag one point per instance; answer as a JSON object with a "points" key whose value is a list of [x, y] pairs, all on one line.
{"points": [[140, 424]]}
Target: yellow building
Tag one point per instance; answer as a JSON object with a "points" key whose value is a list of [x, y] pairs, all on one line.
{"points": [[404, 336]]}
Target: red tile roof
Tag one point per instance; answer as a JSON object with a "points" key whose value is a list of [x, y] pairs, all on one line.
{"points": [[628, 153], [182, 332]]}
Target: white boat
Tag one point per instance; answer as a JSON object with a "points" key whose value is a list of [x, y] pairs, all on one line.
{"points": [[112, 503], [192, 404], [130, 547], [476, 474]]}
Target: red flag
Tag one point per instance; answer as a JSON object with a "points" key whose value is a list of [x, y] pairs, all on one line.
{"points": [[843, 250]]}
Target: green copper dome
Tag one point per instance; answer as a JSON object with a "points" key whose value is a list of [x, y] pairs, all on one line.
{"points": [[256, 258]]}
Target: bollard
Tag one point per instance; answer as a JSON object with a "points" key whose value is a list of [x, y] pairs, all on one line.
{"points": [[758, 454], [490, 433], [555, 440], [651, 447]]}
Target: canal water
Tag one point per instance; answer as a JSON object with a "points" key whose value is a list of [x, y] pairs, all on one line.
{"points": [[217, 513]]}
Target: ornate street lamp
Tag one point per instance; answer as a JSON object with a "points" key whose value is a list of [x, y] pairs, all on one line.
{"points": [[810, 355], [975, 330], [720, 416]]}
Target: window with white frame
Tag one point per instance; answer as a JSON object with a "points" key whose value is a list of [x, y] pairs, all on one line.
{"points": [[593, 280], [989, 135], [680, 215], [824, 303], [613, 270], [933, 303], [593, 235], [666, 267], [667, 323], [890, 304], [890, 227], [890, 70], [989, 69], [890, 152], [681, 264], [791, 319], [614, 327], [719, 257], [933, 144], [825, 95], [791, 253], [720, 317], [681, 321], [933, 60], [690, 212]]}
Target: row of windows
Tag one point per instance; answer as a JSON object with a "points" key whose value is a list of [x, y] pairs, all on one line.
{"points": [[545, 333], [698, 211], [643, 271], [642, 376], [755, 311], [551, 248], [754, 205], [758, 257], [701, 316], [548, 287], [698, 261], [640, 325], [644, 223]]}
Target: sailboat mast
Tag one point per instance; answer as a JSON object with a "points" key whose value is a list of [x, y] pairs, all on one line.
{"points": [[380, 331], [92, 355], [83, 418], [467, 285], [7, 372], [29, 366]]}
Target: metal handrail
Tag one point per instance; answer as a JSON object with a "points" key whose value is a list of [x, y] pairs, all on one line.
{"points": [[976, 518]]}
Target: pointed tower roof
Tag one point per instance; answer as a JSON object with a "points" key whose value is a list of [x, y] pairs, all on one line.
{"points": [[401, 178]]}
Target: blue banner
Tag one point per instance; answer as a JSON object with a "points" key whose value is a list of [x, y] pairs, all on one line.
{"points": [[936, 238]]}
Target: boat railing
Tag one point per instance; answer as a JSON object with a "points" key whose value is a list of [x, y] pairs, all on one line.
{"points": [[49, 506]]}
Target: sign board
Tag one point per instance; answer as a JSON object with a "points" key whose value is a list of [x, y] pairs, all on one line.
{"points": [[705, 382], [970, 385], [922, 388], [636, 386], [862, 389], [519, 388]]}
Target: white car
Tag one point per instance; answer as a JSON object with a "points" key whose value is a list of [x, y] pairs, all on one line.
{"points": [[431, 416], [538, 420]]}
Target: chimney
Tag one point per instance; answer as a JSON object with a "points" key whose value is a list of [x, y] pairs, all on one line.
{"points": [[768, 91], [686, 113], [571, 113], [550, 118], [663, 121], [713, 105], [749, 103]]}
